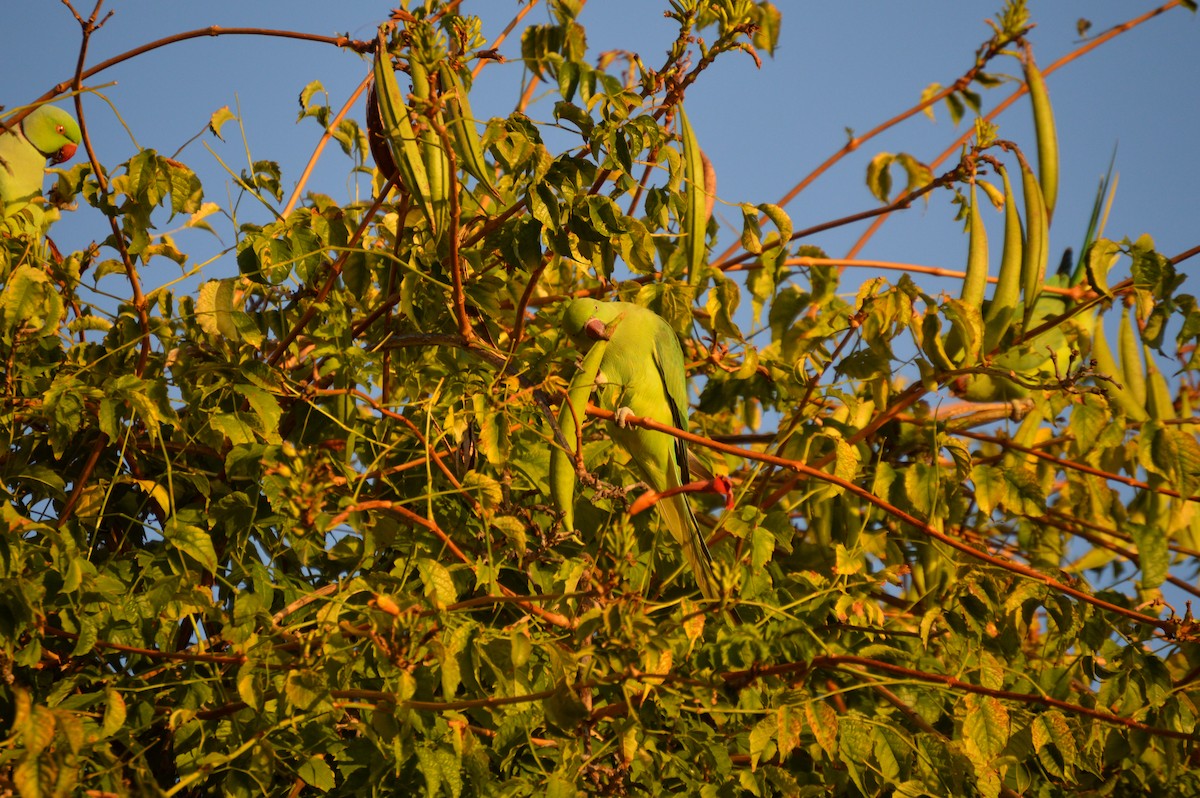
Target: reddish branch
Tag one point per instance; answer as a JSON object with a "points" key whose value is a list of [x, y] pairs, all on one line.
{"points": [[1182, 256], [1100, 541], [847, 662], [150, 653], [1074, 466], [1021, 92], [325, 137], [1169, 628]]}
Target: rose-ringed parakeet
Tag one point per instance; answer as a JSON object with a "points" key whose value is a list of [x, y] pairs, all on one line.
{"points": [[48, 133], [641, 373]]}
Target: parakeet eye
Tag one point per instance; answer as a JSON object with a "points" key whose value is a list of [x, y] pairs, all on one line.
{"points": [[59, 129]]}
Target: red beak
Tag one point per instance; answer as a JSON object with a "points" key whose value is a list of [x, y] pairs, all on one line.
{"points": [[596, 330], [64, 153]]}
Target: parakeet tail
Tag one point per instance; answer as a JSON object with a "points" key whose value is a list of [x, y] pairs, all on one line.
{"points": [[686, 531]]}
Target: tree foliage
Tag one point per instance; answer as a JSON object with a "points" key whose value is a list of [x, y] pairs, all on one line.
{"points": [[291, 533]]}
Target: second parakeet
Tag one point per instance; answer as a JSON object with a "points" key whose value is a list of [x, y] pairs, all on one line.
{"points": [[48, 133], [641, 373]]}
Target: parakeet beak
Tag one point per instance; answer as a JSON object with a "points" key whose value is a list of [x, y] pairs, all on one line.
{"points": [[596, 330], [64, 153]]}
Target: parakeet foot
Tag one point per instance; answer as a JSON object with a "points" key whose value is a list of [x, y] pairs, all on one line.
{"points": [[622, 416], [621, 491]]}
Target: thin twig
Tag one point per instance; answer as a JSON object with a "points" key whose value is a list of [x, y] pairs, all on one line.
{"points": [[325, 137]]}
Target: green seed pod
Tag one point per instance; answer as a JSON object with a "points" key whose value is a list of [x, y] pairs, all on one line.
{"points": [[695, 220], [1036, 253], [1132, 370], [1106, 364], [1047, 136], [460, 122], [1003, 307], [1158, 394], [398, 128], [437, 165], [975, 282]]}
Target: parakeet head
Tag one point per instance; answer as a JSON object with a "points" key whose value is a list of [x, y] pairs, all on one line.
{"points": [[587, 320], [53, 132]]}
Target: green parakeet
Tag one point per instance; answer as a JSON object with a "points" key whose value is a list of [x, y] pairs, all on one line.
{"points": [[48, 133], [641, 373]]}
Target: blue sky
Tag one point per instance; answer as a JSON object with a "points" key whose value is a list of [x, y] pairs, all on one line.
{"points": [[839, 65]]}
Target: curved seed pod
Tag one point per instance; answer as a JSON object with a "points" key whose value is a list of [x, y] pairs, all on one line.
{"points": [[1027, 433], [988, 388], [570, 419], [1037, 249], [1131, 359], [695, 221], [377, 140], [1047, 136], [1007, 295], [437, 165], [460, 123], [963, 342], [975, 282], [1158, 394], [398, 128], [1106, 364]]}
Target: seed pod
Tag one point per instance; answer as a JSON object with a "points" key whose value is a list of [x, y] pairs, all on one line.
{"points": [[1036, 252], [975, 282], [1047, 136], [1106, 364], [1007, 295], [963, 342], [1132, 370], [437, 165], [695, 220], [1027, 433], [1158, 395], [378, 141], [398, 129], [460, 123]]}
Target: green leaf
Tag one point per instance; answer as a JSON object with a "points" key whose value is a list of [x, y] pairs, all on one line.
{"points": [[823, 721], [193, 541], [1099, 260], [751, 233], [1154, 554], [305, 689], [564, 708], [762, 741], [439, 585], [879, 177], [991, 489], [316, 773], [29, 303], [218, 119], [114, 713], [266, 410], [1052, 728], [986, 725], [927, 94], [1025, 496]]}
